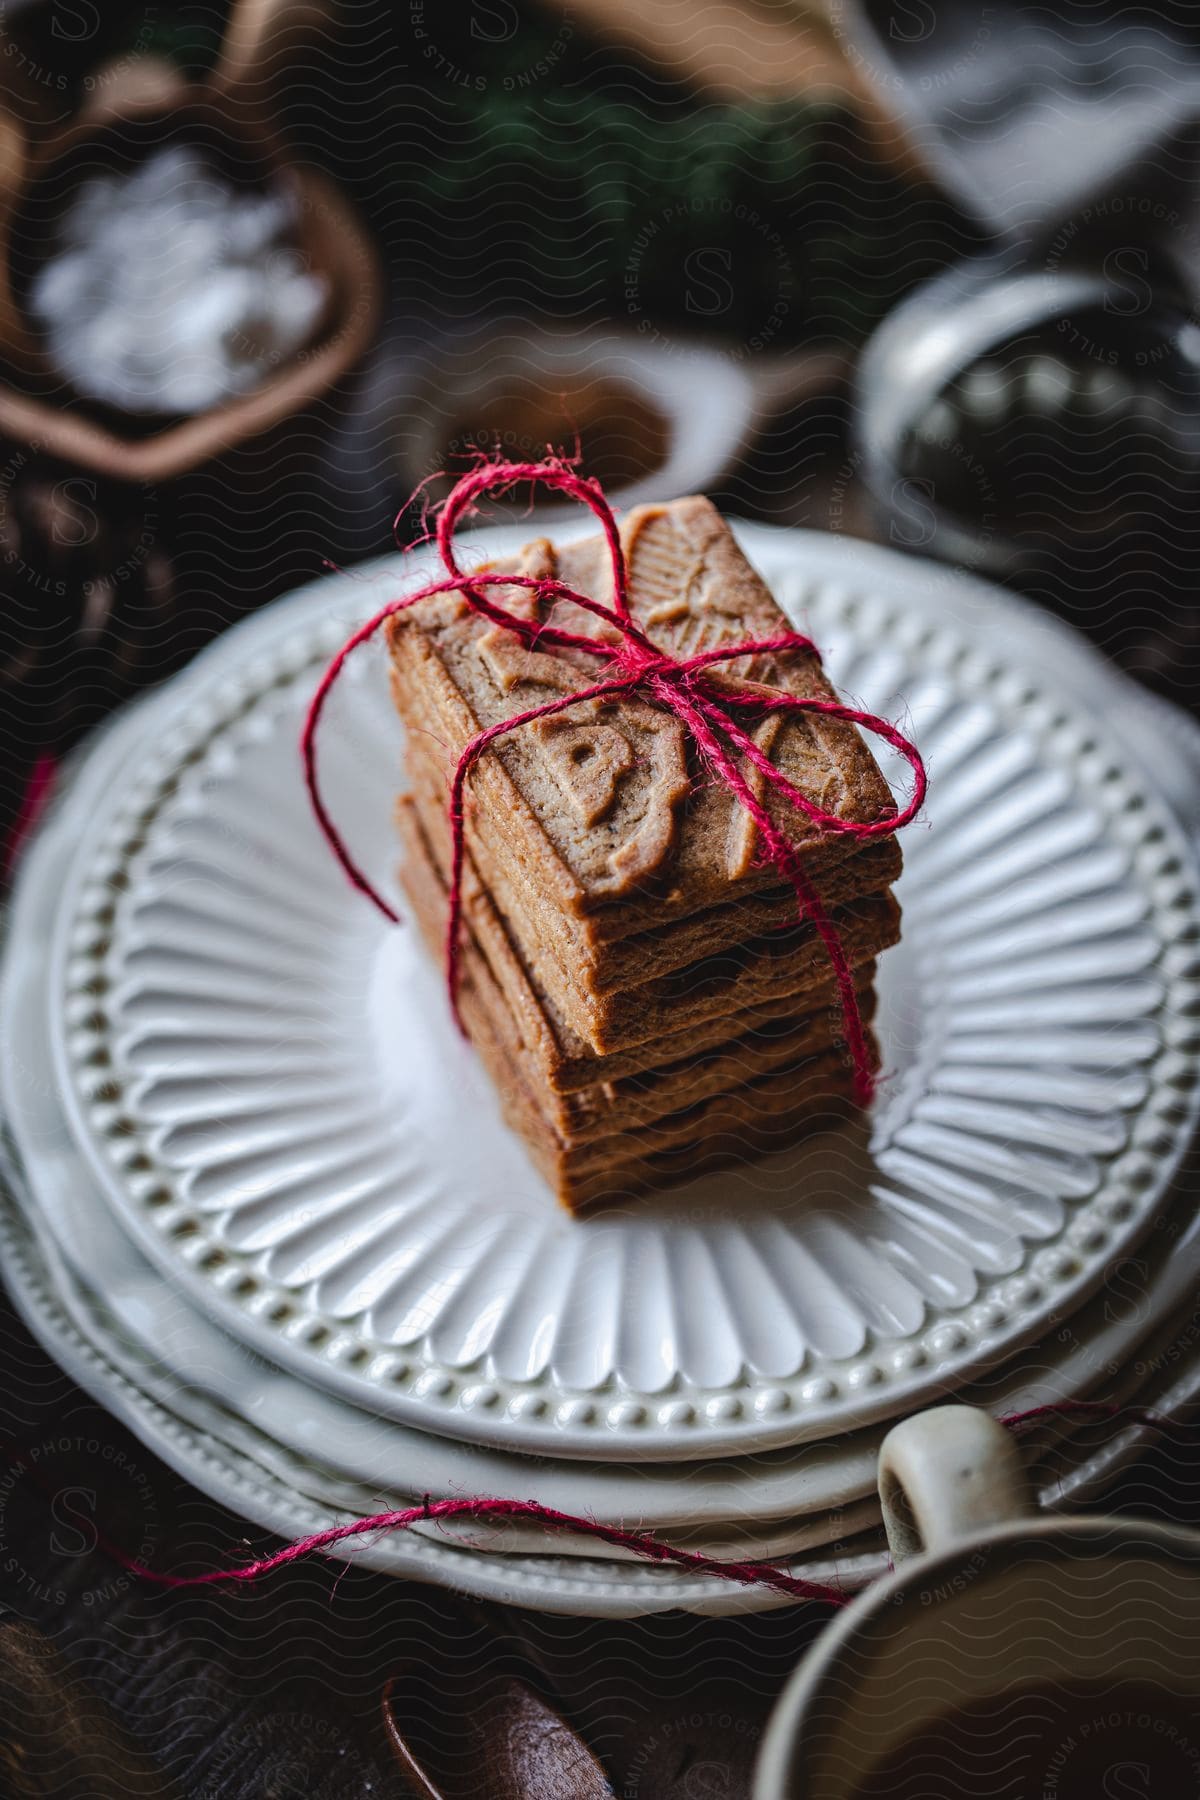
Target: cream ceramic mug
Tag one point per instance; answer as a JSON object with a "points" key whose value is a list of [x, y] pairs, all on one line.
{"points": [[989, 1598]]}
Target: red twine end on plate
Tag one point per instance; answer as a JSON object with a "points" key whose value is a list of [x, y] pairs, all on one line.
{"points": [[638, 1543], [650, 1549], [632, 664]]}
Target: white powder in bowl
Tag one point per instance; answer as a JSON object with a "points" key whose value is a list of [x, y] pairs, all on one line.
{"points": [[169, 291]]}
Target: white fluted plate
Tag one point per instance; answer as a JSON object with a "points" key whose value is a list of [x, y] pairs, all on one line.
{"points": [[266, 1085], [766, 1505], [769, 1504]]}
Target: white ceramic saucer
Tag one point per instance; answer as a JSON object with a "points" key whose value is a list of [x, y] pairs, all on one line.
{"points": [[263, 1079]]}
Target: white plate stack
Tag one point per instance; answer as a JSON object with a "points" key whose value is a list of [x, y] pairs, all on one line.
{"points": [[263, 1207]]}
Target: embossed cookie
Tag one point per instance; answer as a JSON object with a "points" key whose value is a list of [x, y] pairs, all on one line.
{"points": [[580, 970], [784, 969], [766, 1117], [588, 1169], [633, 973], [761, 1117], [617, 821], [615, 1100]]}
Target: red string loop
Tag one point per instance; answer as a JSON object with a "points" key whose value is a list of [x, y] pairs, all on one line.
{"points": [[632, 663]]}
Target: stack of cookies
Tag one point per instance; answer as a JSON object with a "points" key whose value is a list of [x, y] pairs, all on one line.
{"points": [[633, 973]]}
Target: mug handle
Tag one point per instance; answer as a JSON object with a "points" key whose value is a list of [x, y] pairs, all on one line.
{"points": [[950, 1473]]}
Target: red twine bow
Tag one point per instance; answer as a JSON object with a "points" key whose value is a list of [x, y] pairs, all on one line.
{"points": [[631, 664]]}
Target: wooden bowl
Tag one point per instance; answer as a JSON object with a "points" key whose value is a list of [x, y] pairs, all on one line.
{"points": [[140, 110]]}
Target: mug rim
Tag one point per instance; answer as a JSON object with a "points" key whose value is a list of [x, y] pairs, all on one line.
{"points": [[1166, 1540]]}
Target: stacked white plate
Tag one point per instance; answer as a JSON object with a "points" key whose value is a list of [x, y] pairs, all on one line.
{"points": [[263, 1206]]}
